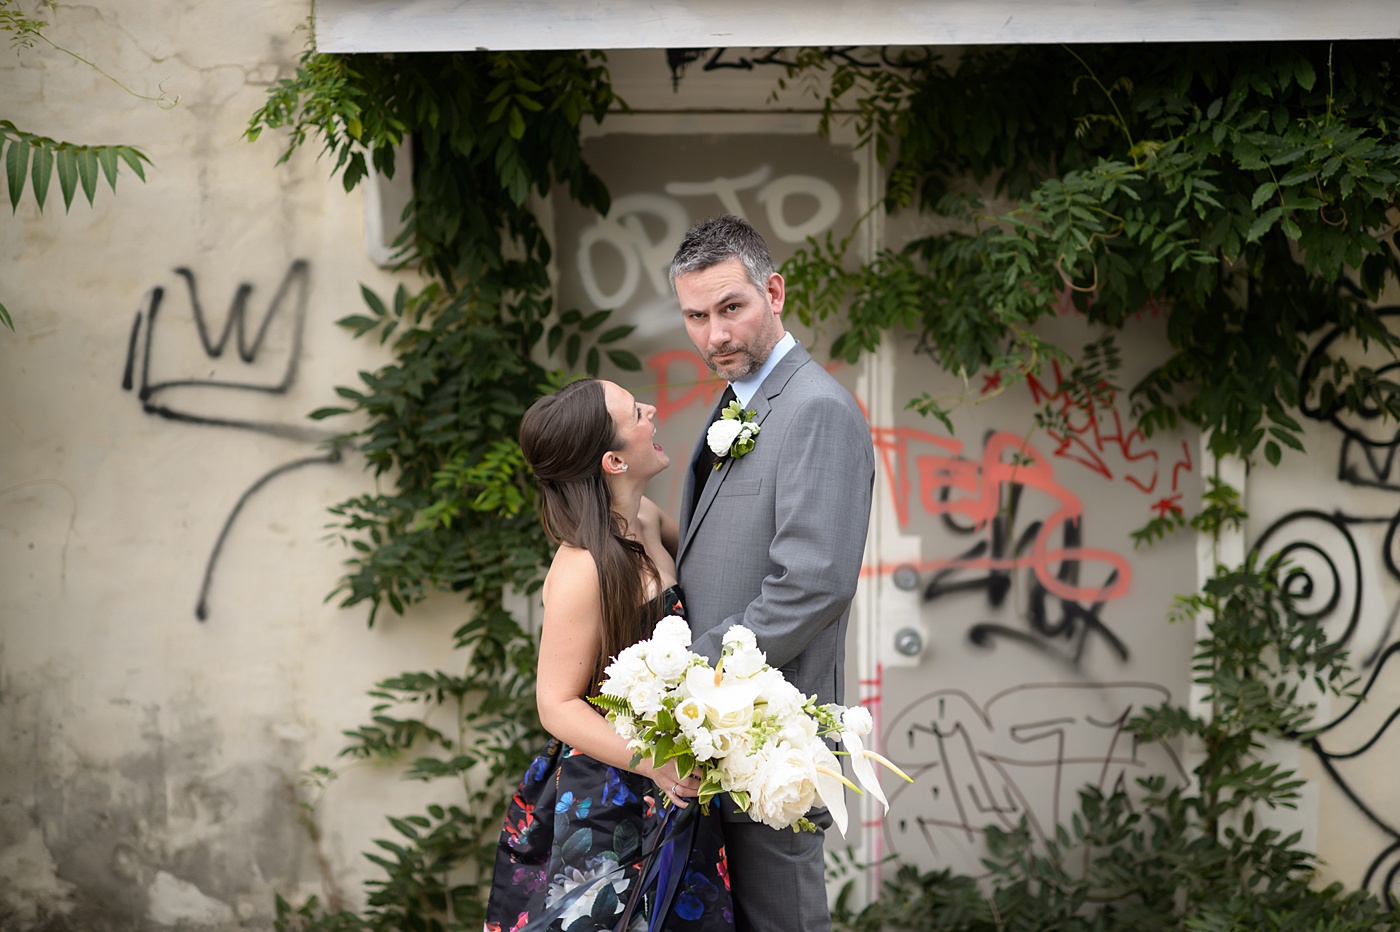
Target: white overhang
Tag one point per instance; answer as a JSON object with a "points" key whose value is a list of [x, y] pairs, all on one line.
{"points": [[444, 25]]}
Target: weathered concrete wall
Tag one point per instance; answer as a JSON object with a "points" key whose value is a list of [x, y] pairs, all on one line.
{"points": [[167, 663], [168, 666]]}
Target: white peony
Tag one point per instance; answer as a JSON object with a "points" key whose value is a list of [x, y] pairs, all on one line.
{"points": [[737, 768], [784, 786], [722, 434], [729, 741]]}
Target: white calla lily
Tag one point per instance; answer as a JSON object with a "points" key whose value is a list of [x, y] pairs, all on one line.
{"points": [[861, 766], [831, 785]]}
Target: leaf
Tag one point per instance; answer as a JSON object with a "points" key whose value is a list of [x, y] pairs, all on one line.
{"points": [[40, 172], [16, 161], [613, 334], [67, 174], [624, 360], [107, 158], [5, 318], [1304, 73], [133, 158], [87, 172], [1262, 194]]}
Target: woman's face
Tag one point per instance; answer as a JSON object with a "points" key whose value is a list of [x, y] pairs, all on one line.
{"points": [[634, 425]]}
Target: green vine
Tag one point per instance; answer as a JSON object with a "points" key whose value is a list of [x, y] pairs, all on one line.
{"points": [[1227, 187], [487, 130]]}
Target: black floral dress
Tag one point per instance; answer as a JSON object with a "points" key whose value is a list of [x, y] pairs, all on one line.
{"points": [[578, 842]]}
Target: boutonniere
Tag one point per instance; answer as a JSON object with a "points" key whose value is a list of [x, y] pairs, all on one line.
{"points": [[732, 433]]}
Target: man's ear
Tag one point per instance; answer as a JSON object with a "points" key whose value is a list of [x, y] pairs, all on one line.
{"points": [[776, 292]]}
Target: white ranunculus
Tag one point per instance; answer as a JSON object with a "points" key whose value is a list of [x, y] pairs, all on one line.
{"points": [[645, 696], [739, 636], [744, 662], [731, 741], [722, 434], [627, 669], [784, 787], [671, 629], [668, 659], [728, 704], [625, 726], [857, 719]]}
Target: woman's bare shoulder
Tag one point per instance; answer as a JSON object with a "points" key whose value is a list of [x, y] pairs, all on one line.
{"points": [[572, 573]]}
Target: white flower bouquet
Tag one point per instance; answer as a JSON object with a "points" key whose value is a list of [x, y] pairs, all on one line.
{"points": [[748, 731]]}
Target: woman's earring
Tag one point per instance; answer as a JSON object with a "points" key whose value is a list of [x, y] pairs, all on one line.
{"points": [[622, 468]]}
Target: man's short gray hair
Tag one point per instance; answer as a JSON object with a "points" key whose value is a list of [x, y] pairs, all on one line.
{"points": [[720, 239]]}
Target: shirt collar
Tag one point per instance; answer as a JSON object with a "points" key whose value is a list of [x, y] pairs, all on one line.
{"points": [[745, 388]]}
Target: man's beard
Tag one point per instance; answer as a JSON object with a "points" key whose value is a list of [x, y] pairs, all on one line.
{"points": [[746, 365]]}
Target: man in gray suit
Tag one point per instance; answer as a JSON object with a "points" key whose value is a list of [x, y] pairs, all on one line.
{"points": [[772, 539]]}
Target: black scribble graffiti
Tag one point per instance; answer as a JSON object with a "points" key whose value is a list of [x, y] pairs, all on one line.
{"points": [[1328, 577], [1057, 627], [1383, 875], [981, 766], [189, 399]]}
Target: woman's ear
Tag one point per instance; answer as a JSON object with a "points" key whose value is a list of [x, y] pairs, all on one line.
{"points": [[612, 464]]}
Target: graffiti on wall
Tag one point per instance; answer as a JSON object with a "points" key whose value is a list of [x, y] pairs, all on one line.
{"points": [[1024, 752], [1342, 570], [163, 373]]}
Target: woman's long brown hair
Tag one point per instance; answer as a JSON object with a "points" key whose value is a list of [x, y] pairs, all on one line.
{"points": [[564, 437]]}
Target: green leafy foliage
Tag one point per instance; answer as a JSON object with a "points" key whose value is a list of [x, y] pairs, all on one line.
{"points": [[439, 422], [1229, 187], [1167, 857], [28, 157]]}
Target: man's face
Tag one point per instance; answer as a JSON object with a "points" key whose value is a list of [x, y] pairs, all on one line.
{"points": [[732, 323]]}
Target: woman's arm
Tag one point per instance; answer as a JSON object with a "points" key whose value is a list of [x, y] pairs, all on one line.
{"points": [[570, 639]]}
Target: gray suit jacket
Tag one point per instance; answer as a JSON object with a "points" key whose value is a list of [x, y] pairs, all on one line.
{"points": [[778, 536]]}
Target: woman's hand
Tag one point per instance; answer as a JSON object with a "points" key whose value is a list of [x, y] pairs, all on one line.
{"points": [[680, 789]]}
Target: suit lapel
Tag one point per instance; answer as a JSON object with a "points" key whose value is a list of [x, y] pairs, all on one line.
{"points": [[761, 404]]}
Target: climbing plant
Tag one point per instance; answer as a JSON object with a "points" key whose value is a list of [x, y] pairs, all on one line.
{"points": [[1248, 194], [488, 130], [1246, 191]]}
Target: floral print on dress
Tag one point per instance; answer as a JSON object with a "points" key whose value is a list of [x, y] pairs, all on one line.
{"points": [[575, 823]]}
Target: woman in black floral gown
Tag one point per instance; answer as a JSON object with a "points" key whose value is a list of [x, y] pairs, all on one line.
{"points": [[576, 848]]}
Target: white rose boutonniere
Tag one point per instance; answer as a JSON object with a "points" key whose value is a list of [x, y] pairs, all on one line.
{"points": [[732, 434]]}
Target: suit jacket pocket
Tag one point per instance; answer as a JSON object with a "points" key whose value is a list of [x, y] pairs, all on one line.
{"points": [[733, 487]]}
